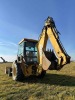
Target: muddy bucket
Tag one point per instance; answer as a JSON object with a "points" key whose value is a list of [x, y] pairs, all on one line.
{"points": [[49, 60]]}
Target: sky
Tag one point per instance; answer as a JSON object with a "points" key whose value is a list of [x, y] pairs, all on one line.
{"points": [[25, 19]]}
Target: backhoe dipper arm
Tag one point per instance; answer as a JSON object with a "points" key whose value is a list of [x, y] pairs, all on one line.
{"points": [[53, 34], [50, 31]]}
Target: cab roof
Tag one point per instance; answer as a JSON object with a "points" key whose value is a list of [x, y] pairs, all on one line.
{"points": [[28, 40]]}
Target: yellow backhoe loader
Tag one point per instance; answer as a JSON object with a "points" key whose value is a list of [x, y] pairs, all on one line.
{"points": [[32, 57]]}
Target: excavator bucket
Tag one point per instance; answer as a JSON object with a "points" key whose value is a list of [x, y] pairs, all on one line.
{"points": [[45, 62], [49, 60]]}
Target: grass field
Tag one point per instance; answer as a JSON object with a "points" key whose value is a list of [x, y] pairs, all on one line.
{"points": [[56, 85]]}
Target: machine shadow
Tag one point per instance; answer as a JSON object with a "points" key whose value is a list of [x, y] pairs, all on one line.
{"points": [[52, 79]]}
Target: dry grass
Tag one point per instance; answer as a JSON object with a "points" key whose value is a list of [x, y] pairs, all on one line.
{"points": [[56, 85]]}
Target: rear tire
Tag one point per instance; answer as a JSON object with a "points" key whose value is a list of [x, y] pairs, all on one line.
{"points": [[17, 73]]}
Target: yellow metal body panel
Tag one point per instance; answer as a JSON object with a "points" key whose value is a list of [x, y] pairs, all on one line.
{"points": [[27, 70], [41, 46], [56, 46]]}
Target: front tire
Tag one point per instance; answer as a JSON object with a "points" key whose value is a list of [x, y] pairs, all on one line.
{"points": [[17, 73]]}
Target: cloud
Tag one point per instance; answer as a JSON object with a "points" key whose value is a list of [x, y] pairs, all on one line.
{"points": [[7, 43], [8, 47], [16, 31], [8, 50]]}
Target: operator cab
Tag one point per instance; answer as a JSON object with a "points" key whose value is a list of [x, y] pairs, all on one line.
{"points": [[27, 49]]}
